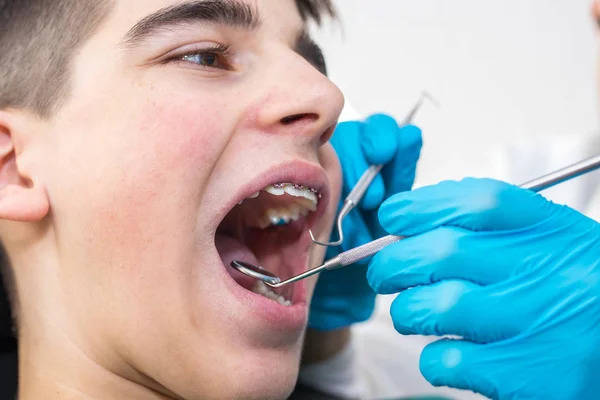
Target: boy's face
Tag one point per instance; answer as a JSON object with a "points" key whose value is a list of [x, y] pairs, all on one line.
{"points": [[168, 127]]}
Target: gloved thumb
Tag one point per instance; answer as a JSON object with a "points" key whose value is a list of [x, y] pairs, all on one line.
{"points": [[455, 363]]}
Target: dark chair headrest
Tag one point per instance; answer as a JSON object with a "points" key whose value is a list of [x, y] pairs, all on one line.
{"points": [[6, 324]]}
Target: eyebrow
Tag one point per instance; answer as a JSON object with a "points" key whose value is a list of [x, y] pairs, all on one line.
{"points": [[234, 13]]}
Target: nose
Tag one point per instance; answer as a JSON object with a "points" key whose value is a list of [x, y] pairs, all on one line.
{"points": [[299, 100]]}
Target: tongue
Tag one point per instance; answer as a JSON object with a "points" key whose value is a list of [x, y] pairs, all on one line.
{"points": [[231, 249]]}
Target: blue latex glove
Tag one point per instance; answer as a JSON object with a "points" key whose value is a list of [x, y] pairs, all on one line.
{"points": [[343, 297], [516, 276]]}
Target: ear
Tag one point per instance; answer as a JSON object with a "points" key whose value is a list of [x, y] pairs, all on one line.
{"points": [[21, 198]]}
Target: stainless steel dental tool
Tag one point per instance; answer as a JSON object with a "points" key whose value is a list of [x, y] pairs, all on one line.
{"points": [[366, 250], [365, 180]]}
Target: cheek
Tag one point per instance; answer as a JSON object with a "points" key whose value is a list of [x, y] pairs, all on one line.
{"points": [[139, 181], [164, 159], [168, 138], [173, 151]]}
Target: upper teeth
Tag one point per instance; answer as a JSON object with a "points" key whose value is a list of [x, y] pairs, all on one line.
{"points": [[293, 190], [306, 201], [279, 189]]}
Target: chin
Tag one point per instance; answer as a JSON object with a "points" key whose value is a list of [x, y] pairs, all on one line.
{"points": [[268, 378]]}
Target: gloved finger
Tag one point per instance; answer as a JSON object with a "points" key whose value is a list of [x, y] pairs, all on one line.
{"points": [[456, 364], [399, 173], [379, 139], [347, 143], [441, 254], [455, 307], [475, 204]]}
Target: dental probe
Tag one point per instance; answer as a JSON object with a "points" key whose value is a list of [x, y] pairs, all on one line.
{"points": [[358, 191], [366, 250]]}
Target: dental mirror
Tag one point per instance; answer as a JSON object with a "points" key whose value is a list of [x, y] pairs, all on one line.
{"points": [[256, 272]]}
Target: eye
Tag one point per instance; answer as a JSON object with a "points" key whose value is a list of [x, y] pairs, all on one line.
{"points": [[216, 57], [205, 59]]}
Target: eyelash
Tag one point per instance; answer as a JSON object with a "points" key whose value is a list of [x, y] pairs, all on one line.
{"points": [[222, 52]]}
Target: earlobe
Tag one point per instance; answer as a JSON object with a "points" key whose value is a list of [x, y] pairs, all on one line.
{"points": [[21, 199], [23, 204]]}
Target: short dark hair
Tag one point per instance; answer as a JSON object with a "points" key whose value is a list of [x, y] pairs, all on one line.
{"points": [[38, 39], [316, 9]]}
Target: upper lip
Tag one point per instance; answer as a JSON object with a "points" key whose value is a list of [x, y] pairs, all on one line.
{"points": [[297, 172]]}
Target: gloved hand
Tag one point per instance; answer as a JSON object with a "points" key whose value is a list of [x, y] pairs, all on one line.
{"points": [[516, 276], [343, 297]]}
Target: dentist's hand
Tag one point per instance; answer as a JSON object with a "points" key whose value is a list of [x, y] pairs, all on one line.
{"points": [[343, 297], [516, 276]]}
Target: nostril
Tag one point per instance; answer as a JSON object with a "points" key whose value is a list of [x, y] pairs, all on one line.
{"points": [[292, 118], [297, 117]]}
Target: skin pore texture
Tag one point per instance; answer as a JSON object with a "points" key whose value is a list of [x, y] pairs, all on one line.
{"points": [[109, 208]]}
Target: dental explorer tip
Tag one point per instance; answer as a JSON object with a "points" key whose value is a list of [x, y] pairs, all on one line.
{"points": [[426, 95], [325, 244]]}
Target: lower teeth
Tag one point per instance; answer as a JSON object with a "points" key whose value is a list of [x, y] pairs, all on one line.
{"points": [[265, 291]]}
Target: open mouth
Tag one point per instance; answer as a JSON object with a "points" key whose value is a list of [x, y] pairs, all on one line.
{"points": [[270, 228]]}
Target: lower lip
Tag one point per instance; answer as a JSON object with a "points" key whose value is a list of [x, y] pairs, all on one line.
{"points": [[274, 315]]}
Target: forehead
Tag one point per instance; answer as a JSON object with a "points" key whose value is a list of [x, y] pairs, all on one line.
{"points": [[277, 16]]}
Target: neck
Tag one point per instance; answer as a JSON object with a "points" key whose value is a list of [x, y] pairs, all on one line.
{"points": [[54, 365], [58, 371], [61, 356]]}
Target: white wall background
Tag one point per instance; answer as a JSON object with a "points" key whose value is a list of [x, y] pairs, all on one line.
{"points": [[517, 83], [502, 71]]}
